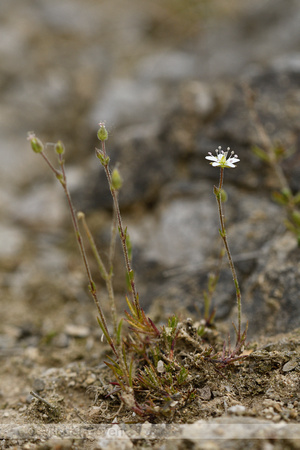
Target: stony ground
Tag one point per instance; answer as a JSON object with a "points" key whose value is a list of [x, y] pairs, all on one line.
{"points": [[169, 79]]}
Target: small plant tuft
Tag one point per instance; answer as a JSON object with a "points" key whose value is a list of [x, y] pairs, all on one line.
{"points": [[151, 367]]}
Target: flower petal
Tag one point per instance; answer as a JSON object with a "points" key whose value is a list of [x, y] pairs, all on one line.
{"points": [[233, 160], [211, 158]]}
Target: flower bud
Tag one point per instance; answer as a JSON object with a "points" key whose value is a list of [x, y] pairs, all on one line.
{"points": [[36, 144], [103, 158], [116, 180], [59, 148], [102, 132], [80, 215]]}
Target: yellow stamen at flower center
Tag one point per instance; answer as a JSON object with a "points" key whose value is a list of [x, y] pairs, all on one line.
{"points": [[223, 160]]}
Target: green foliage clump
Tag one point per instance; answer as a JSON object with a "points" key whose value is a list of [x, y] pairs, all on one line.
{"points": [[150, 365]]}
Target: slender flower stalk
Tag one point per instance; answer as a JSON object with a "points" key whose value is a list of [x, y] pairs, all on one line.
{"points": [[107, 276], [223, 161], [38, 147], [114, 184], [112, 246]]}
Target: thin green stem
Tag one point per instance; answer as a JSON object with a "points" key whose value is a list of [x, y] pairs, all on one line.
{"points": [[129, 270], [107, 277], [61, 176], [100, 263], [218, 194], [56, 172], [112, 246]]}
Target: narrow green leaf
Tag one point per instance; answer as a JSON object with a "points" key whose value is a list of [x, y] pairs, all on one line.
{"points": [[287, 193], [260, 153], [296, 218], [279, 152], [222, 234], [216, 191], [128, 246], [297, 198], [130, 372], [290, 226], [131, 275], [130, 306], [279, 198], [119, 331], [104, 331], [128, 283]]}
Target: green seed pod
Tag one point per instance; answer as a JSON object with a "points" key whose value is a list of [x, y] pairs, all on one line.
{"points": [[116, 180], [59, 148], [102, 133]]}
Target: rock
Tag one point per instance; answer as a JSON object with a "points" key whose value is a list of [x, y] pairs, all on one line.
{"points": [[167, 66], [232, 432], [38, 385], [174, 246], [12, 241], [22, 432], [174, 236], [123, 95], [31, 208], [271, 296], [115, 439], [205, 393], [237, 410], [57, 443], [198, 98], [291, 365], [144, 164], [78, 331], [90, 379]]}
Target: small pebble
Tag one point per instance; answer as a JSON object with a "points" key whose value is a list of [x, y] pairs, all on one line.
{"points": [[160, 366], [290, 365], [238, 410], [205, 393], [38, 385], [90, 379], [78, 331]]}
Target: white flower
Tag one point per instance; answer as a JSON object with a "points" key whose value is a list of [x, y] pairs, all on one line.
{"points": [[220, 160]]}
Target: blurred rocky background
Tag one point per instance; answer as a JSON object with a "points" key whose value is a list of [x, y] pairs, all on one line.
{"points": [[168, 78]]}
